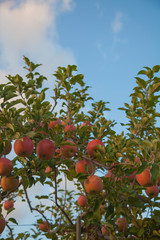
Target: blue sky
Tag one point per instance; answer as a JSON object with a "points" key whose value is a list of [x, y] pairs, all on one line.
{"points": [[109, 41]]}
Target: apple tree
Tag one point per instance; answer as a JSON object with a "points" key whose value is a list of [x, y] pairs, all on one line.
{"points": [[61, 135]]}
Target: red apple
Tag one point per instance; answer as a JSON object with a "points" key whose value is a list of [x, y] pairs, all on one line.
{"points": [[55, 122], [8, 204], [152, 191], [94, 146], [84, 164], [105, 231], [23, 148], [121, 224], [68, 150], [48, 169], [82, 201], [2, 224], [6, 166], [44, 226], [93, 184], [45, 149], [9, 183], [144, 178], [70, 127]]}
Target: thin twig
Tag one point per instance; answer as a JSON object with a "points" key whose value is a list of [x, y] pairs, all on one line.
{"points": [[11, 232]]}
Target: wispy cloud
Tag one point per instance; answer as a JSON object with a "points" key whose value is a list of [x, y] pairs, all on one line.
{"points": [[117, 23], [29, 28], [117, 26], [101, 50]]}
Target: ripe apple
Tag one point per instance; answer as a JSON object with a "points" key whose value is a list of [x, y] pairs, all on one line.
{"points": [[144, 178], [23, 148], [70, 127], [9, 183], [152, 191], [121, 224], [2, 224], [82, 201], [69, 149], [8, 204], [45, 149], [48, 169], [93, 184], [55, 122], [6, 166], [44, 226], [84, 166], [94, 146], [105, 231]]}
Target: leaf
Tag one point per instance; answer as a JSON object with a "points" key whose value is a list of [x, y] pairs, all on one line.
{"points": [[156, 68], [147, 144], [110, 210], [42, 176], [142, 83], [142, 72], [9, 125], [15, 102], [25, 181], [42, 96], [142, 168], [13, 220], [155, 172]]}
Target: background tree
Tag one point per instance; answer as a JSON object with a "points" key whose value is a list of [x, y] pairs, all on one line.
{"points": [[116, 176]]}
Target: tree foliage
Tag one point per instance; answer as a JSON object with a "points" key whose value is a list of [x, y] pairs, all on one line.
{"points": [[27, 110]]}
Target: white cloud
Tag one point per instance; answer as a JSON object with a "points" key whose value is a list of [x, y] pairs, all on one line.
{"points": [[29, 28], [67, 5], [117, 23]]}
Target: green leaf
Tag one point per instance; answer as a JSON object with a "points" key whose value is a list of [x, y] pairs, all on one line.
{"points": [[42, 175], [15, 102], [25, 181], [156, 68], [9, 125], [13, 220], [142, 72], [110, 210], [142, 83], [147, 144], [155, 172], [42, 96]]}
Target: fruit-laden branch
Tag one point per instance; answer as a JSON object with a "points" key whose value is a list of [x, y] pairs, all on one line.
{"points": [[56, 201]]}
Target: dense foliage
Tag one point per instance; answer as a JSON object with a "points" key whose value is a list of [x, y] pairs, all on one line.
{"points": [[27, 111]]}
